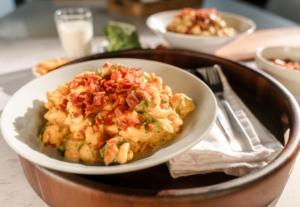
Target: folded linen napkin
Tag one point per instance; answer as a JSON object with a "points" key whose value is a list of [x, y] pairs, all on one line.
{"points": [[213, 153]]}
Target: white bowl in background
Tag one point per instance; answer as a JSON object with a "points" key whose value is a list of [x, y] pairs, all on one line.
{"points": [[23, 117], [288, 77], [159, 21]]}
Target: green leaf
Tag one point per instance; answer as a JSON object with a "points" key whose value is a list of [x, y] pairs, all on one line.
{"points": [[121, 36]]}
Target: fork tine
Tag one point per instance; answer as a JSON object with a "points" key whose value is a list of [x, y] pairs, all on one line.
{"points": [[210, 76], [218, 78]]}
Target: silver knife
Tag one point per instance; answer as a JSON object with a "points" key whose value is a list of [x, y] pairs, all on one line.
{"points": [[239, 132], [234, 145]]}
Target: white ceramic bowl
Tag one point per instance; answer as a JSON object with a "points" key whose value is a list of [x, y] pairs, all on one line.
{"points": [[22, 117], [289, 78], [158, 22]]}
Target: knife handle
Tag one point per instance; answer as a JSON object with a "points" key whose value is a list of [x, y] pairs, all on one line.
{"points": [[237, 128]]}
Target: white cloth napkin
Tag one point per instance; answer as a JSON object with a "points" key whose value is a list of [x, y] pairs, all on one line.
{"points": [[213, 153]]}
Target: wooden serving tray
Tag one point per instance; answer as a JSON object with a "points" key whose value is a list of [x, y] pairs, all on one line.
{"points": [[154, 186]]}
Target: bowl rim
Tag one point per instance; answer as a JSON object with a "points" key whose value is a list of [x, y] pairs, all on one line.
{"points": [[174, 34], [73, 169], [260, 57]]}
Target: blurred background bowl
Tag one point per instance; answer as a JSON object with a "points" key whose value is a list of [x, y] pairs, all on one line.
{"points": [[288, 77], [159, 21]]}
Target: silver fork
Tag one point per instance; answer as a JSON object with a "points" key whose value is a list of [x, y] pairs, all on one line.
{"points": [[240, 140]]}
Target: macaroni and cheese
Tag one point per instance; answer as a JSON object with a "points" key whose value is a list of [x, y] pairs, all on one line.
{"points": [[203, 22], [112, 115]]}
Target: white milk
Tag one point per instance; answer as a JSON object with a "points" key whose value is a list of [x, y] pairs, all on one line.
{"points": [[76, 38]]}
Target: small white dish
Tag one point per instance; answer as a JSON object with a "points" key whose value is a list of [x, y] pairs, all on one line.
{"points": [[159, 21], [22, 117], [289, 78]]}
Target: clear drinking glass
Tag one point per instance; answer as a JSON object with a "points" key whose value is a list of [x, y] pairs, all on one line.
{"points": [[75, 30]]}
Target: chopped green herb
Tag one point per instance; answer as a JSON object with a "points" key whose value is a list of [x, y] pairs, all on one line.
{"points": [[98, 72], [89, 120]]}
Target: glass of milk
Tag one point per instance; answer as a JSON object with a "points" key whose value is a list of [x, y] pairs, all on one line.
{"points": [[75, 30]]}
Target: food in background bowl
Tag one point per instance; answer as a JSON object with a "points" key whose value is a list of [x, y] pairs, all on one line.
{"points": [[200, 43], [113, 114], [48, 65], [204, 22], [287, 63]]}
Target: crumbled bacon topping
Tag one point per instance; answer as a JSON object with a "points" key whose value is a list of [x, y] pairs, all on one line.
{"points": [[119, 88]]}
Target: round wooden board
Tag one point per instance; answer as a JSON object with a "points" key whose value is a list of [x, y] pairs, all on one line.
{"points": [[268, 101]]}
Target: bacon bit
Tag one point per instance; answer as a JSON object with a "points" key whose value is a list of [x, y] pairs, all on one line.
{"points": [[96, 109], [76, 101], [95, 128], [100, 142], [115, 75], [98, 98], [122, 123], [118, 112], [109, 134], [107, 121], [114, 140], [113, 97], [139, 96], [88, 100], [145, 95], [142, 85], [143, 147], [50, 145], [78, 113], [105, 102], [126, 112], [108, 84], [88, 111], [98, 121], [137, 72], [74, 86], [104, 113], [82, 95], [107, 64], [64, 101], [141, 118], [94, 78], [135, 122], [122, 99], [127, 87], [74, 140], [61, 106], [110, 114], [109, 154], [132, 101], [149, 127], [116, 103], [129, 77], [83, 129]]}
